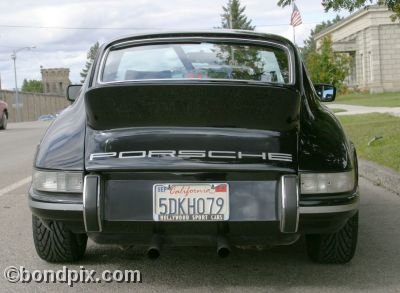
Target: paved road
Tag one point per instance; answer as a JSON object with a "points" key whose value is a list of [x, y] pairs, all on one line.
{"points": [[17, 148], [356, 109], [375, 268]]}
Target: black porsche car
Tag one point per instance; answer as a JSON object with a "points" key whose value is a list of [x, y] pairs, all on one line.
{"points": [[212, 138]]}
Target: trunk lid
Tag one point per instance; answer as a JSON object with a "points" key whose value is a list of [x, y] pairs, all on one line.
{"points": [[192, 127]]}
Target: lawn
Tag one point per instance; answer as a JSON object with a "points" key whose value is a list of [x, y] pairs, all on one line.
{"points": [[376, 100], [363, 128]]}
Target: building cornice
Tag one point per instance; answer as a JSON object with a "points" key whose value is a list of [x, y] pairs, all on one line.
{"points": [[349, 19]]}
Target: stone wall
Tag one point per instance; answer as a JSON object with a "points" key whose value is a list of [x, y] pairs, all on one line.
{"points": [[390, 56], [33, 104]]}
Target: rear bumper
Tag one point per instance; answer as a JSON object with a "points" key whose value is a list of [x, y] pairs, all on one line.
{"points": [[56, 211], [290, 217]]}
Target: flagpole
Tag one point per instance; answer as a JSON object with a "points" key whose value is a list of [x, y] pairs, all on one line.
{"points": [[294, 28], [294, 34]]}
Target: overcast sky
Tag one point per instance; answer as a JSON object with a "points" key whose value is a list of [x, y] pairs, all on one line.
{"points": [[64, 30]]}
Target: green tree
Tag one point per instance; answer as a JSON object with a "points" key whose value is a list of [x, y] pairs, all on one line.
{"points": [[32, 86], [91, 54], [351, 5], [326, 66], [233, 16], [310, 44]]}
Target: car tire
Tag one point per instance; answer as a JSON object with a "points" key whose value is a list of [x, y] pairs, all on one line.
{"points": [[3, 121], [55, 243], [335, 248]]}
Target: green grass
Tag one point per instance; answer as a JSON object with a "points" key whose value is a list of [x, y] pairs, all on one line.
{"points": [[362, 128], [375, 100]]}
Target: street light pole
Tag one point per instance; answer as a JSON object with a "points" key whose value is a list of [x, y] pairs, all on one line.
{"points": [[14, 58]]}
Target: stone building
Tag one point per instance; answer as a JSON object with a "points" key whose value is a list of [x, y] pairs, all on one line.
{"points": [[373, 42], [55, 80]]}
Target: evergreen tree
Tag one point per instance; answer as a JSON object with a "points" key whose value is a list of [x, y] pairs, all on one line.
{"points": [[233, 16], [91, 54]]}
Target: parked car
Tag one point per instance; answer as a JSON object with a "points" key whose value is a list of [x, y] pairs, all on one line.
{"points": [[3, 114], [47, 117], [204, 138]]}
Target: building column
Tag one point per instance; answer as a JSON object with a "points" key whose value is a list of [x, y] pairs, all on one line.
{"points": [[374, 60]]}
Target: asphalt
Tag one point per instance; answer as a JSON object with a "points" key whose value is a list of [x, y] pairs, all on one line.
{"points": [[375, 267]]}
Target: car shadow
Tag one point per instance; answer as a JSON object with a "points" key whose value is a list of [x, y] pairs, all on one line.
{"points": [[276, 268]]}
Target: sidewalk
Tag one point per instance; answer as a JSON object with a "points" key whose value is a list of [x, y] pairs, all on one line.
{"points": [[355, 109]]}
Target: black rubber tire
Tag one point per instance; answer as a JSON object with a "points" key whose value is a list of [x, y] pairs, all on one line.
{"points": [[3, 124], [335, 248], [55, 243]]}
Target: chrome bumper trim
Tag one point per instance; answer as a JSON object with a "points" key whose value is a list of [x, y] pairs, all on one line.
{"points": [[289, 204], [330, 209]]}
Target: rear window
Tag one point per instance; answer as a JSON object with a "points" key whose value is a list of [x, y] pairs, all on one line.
{"points": [[198, 61]]}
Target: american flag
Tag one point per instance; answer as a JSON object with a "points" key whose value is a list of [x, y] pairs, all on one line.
{"points": [[296, 17]]}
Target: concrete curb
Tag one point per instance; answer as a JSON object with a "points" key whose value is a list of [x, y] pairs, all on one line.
{"points": [[380, 175]]}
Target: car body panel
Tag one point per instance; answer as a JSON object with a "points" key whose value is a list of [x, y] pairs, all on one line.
{"points": [[63, 144], [323, 143], [190, 149]]}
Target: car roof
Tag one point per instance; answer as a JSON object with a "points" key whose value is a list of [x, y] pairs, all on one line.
{"points": [[200, 33]]}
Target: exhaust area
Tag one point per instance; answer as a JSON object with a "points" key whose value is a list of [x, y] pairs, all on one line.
{"points": [[223, 247], [154, 250]]}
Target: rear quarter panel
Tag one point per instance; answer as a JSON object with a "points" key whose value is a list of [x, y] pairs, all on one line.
{"points": [[323, 144]]}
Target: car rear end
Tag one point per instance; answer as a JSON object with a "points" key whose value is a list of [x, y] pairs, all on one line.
{"points": [[187, 141], [197, 151]]}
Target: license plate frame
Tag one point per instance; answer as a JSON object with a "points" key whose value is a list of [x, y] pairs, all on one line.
{"points": [[208, 201]]}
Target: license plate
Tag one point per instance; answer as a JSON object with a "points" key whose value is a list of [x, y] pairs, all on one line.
{"points": [[191, 202]]}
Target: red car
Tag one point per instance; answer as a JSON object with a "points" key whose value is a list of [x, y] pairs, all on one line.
{"points": [[3, 115]]}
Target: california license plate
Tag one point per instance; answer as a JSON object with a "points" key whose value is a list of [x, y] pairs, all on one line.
{"points": [[191, 202]]}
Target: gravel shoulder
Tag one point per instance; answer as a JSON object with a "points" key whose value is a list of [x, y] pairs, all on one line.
{"points": [[380, 175]]}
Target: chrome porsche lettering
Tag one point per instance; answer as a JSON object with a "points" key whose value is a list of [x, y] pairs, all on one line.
{"points": [[132, 154], [242, 155], [279, 157], [161, 154], [222, 154], [187, 154], [102, 155], [191, 154]]}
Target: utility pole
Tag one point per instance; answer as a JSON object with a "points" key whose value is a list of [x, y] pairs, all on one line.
{"points": [[14, 58]]}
